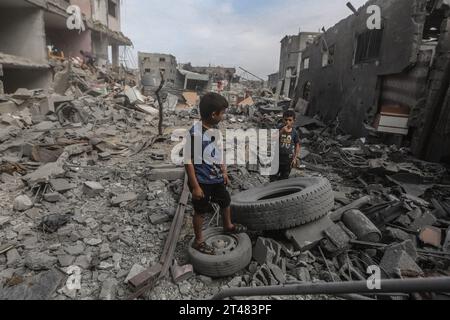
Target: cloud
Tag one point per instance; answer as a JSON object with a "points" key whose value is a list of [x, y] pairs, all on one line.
{"points": [[235, 33]]}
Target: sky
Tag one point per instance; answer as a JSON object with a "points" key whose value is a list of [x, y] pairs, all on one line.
{"points": [[231, 33]]}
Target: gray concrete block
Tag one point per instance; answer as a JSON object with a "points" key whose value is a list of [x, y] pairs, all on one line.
{"points": [[307, 236], [92, 188], [169, 174], [159, 218], [129, 196]]}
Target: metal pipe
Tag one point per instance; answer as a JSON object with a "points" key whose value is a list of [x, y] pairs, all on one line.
{"points": [[441, 284]]}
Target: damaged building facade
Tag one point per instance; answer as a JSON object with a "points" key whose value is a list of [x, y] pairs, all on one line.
{"points": [[290, 58], [29, 29], [395, 79]]}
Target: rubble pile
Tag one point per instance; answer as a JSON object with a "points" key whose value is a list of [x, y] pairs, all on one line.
{"points": [[87, 197], [392, 212], [75, 191]]}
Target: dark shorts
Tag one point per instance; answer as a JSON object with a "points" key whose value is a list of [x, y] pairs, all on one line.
{"points": [[284, 171], [214, 193]]}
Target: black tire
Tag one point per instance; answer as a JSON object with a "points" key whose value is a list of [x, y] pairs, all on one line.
{"points": [[283, 204], [222, 265]]}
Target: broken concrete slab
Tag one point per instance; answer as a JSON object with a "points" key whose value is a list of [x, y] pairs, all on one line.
{"points": [[181, 273], [169, 174], [394, 234], [261, 252], [62, 185], [51, 103], [75, 250], [52, 197], [135, 270], [397, 263], [8, 107], [12, 257], [126, 197], [426, 220], [22, 203], [277, 273], [431, 236], [40, 287], [65, 260], [92, 188], [408, 246], [307, 236], [93, 242], [38, 261], [4, 220], [337, 239], [159, 218], [22, 94], [45, 173], [109, 289]]}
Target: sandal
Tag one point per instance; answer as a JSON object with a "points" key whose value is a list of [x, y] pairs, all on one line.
{"points": [[204, 248], [237, 229]]}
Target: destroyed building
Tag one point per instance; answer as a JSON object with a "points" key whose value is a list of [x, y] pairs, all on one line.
{"points": [[290, 58], [155, 63], [395, 79], [273, 81], [28, 29], [216, 74]]}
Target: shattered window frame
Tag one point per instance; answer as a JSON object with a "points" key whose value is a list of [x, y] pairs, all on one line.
{"points": [[328, 56], [305, 66], [368, 46], [112, 8]]}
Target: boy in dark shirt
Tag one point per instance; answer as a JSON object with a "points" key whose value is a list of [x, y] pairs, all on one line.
{"points": [[289, 147], [207, 179]]}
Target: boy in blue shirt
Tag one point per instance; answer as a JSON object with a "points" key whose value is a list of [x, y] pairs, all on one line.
{"points": [[289, 147], [208, 179]]}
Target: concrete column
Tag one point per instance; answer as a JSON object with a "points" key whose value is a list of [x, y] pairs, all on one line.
{"points": [[185, 82], [115, 55]]}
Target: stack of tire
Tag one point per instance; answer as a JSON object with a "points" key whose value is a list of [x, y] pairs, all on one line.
{"points": [[276, 206]]}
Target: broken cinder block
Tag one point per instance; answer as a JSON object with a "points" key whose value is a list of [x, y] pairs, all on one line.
{"points": [[169, 174], [397, 263], [92, 188], [308, 236]]}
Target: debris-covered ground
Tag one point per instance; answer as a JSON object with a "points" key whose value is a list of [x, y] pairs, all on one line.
{"points": [[86, 183]]}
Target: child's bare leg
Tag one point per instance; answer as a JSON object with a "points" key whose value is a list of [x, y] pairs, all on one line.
{"points": [[198, 228], [227, 224]]}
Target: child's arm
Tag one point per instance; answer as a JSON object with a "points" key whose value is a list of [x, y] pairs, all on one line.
{"points": [[296, 155], [225, 174], [197, 192]]}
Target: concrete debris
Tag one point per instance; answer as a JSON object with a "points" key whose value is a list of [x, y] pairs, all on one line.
{"points": [[309, 235], [159, 218], [88, 169], [61, 185], [39, 287], [108, 291], [181, 273], [22, 203], [126, 197], [92, 188], [135, 270], [53, 197], [397, 263], [39, 261]]}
